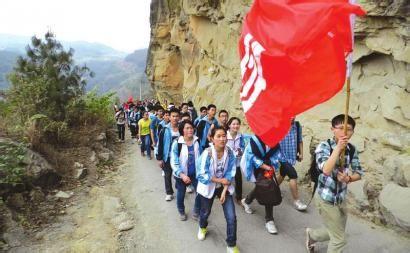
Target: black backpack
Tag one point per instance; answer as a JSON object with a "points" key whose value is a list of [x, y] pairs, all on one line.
{"points": [[267, 191], [314, 171]]}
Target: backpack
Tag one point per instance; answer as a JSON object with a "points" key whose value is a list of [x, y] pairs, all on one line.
{"points": [[314, 171], [258, 154], [267, 191]]}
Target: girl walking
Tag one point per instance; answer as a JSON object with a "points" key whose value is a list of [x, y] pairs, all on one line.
{"points": [[237, 144], [184, 153], [215, 172]]}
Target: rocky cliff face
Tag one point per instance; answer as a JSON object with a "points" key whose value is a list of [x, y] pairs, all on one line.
{"points": [[193, 56]]}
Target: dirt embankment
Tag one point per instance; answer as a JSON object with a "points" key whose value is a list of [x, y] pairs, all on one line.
{"points": [[56, 179]]}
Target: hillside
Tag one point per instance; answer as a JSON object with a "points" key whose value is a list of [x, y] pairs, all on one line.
{"points": [[114, 70]]}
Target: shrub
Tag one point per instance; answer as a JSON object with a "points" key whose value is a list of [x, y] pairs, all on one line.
{"points": [[12, 168]]}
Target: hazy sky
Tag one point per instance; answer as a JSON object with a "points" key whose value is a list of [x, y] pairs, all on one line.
{"points": [[121, 24]]}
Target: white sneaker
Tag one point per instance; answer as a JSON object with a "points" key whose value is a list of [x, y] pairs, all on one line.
{"points": [[299, 205], [247, 208], [202, 233], [270, 226], [190, 189], [168, 197], [162, 173]]}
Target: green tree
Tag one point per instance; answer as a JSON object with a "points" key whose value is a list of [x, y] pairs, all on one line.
{"points": [[46, 80]]}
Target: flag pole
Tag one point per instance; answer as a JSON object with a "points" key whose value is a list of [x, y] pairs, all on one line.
{"points": [[349, 70], [342, 155]]}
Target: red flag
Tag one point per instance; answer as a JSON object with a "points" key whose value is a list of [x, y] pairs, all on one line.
{"points": [[292, 58]]}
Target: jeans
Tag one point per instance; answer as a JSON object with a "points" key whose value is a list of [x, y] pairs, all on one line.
{"points": [[238, 183], [181, 189], [268, 208], [229, 212], [121, 131], [146, 144], [168, 178]]}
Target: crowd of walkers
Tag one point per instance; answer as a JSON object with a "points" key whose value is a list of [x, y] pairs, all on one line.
{"points": [[207, 154]]}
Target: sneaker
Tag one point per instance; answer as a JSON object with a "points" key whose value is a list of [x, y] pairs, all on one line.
{"points": [[195, 216], [247, 208], [232, 249], [162, 173], [270, 226], [183, 217], [309, 243], [299, 205], [189, 189], [202, 233], [149, 157], [168, 197]]}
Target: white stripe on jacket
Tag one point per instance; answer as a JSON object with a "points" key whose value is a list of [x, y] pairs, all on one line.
{"points": [[180, 163], [206, 167]]}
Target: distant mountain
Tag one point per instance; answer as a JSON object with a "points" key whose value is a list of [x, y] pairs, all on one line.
{"points": [[84, 51], [138, 58], [110, 73], [7, 61], [114, 70]]}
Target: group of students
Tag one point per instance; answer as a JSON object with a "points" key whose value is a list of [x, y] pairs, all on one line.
{"points": [[210, 156]]}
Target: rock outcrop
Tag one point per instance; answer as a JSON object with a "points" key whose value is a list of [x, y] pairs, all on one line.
{"points": [[193, 56]]}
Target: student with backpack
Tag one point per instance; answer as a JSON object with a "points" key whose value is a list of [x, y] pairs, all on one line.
{"points": [[133, 123], [292, 150], [187, 117], [332, 181], [205, 125], [184, 152], [203, 111], [121, 118], [215, 172], [192, 110], [236, 142], [260, 164], [168, 134], [154, 125]]}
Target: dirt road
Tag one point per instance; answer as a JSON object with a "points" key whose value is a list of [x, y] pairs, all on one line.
{"points": [[132, 200]]}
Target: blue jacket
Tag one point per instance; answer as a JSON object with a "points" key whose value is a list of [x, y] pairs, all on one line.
{"points": [[179, 162], [199, 118], [202, 131], [253, 159], [154, 126], [206, 166], [164, 143]]}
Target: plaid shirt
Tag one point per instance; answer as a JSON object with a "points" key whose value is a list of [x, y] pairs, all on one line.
{"points": [[290, 143], [329, 189]]}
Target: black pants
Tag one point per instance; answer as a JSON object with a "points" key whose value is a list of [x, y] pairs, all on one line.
{"points": [[168, 178], [121, 131], [286, 169], [133, 129], [268, 208], [238, 183]]}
